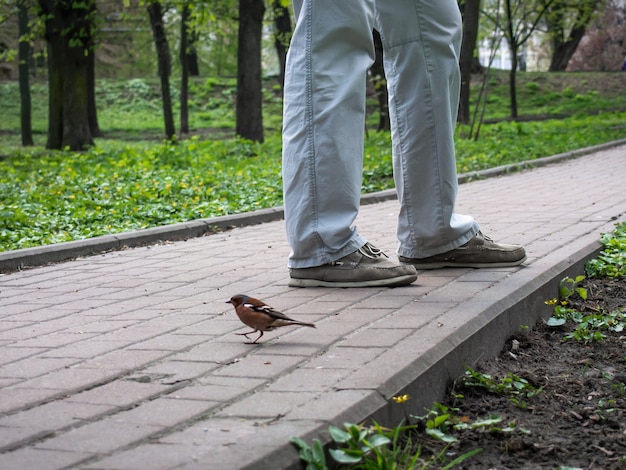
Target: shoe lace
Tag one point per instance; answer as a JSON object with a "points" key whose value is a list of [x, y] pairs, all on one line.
{"points": [[370, 251], [484, 236]]}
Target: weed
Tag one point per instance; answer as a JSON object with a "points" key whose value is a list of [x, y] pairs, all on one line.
{"points": [[512, 385], [612, 260], [589, 326], [375, 448]]}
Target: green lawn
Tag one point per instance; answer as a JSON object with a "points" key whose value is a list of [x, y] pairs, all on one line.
{"points": [[131, 180]]}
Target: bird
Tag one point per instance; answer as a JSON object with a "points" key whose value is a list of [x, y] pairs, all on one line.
{"points": [[260, 316]]}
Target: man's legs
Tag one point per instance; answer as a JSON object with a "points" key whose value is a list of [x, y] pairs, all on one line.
{"points": [[324, 121], [330, 53], [421, 49]]}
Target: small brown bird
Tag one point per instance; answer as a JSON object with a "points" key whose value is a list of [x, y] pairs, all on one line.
{"points": [[260, 316]]}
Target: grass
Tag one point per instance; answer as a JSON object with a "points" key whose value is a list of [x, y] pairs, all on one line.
{"points": [[131, 180]]}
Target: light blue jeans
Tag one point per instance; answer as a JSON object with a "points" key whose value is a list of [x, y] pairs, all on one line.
{"points": [[324, 120]]}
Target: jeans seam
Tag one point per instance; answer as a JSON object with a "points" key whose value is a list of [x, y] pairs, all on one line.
{"points": [[309, 119]]}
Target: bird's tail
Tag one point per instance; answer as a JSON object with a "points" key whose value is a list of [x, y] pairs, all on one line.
{"points": [[301, 323]]}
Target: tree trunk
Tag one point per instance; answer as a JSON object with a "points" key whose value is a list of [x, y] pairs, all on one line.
{"points": [[68, 32], [249, 85], [513, 82], [184, 65], [471, 14], [564, 44], [165, 65], [192, 55], [92, 110], [282, 35], [380, 84], [562, 51], [513, 47], [55, 99], [24, 54]]}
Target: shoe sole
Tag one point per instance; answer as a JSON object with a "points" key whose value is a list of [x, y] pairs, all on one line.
{"points": [[393, 282], [453, 264]]}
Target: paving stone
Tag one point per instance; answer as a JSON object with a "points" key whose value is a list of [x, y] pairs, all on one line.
{"points": [[11, 354], [37, 459], [120, 393], [219, 389], [170, 342], [33, 367], [102, 436], [164, 412], [48, 418], [176, 371], [260, 366], [18, 396]]}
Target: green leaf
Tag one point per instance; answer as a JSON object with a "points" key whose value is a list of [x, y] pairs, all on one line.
{"points": [[338, 435], [439, 420], [486, 422], [553, 321], [378, 440], [441, 436], [304, 449], [342, 456], [318, 454]]}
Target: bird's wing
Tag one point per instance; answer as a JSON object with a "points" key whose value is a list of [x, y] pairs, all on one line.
{"points": [[269, 311]]}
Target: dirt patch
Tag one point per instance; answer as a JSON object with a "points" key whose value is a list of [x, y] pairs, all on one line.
{"points": [[578, 417]]}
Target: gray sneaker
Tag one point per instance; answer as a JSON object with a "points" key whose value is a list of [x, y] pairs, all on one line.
{"points": [[366, 267], [480, 252]]}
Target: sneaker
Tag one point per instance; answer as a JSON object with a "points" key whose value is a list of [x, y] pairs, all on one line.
{"points": [[480, 252], [366, 267]]}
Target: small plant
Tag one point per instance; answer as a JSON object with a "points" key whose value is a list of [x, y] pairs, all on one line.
{"points": [[313, 455], [362, 447], [593, 326], [440, 421], [611, 262], [513, 385], [588, 327], [569, 286]]}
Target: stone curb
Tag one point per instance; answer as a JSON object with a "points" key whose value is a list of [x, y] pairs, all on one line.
{"points": [[30, 257]]}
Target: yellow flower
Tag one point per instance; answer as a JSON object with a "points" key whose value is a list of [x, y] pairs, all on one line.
{"points": [[551, 302], [401, 398]]}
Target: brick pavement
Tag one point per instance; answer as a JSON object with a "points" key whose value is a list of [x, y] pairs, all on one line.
{"points": [[129, 360]]}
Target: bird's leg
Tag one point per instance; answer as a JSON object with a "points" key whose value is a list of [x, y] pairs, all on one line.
{"points": [[257, 338], [246, 334]]}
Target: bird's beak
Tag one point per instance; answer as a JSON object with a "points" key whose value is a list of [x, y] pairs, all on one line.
{"points": [[228, 302]]}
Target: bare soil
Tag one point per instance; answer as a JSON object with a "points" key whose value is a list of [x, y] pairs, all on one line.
{"points": [[578, 420]]}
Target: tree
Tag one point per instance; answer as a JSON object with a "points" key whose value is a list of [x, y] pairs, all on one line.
{"points": [[282, 34], [470, 10], [566, 22], [249, 86], [184, 66], [24, 54], [604, 45], [69, 33], [519, 21], [92, 112], [379, 80], [165, 65]]}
